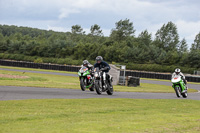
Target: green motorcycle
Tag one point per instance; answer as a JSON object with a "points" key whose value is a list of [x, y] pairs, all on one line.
{"points": [[179, 86], [86, 79]]}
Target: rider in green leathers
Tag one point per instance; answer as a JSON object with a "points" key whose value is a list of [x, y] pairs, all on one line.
{"points": [[87, 64]]}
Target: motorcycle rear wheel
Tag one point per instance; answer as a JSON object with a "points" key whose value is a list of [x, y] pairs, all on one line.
{"points": [[109, 89], [92, 88], [185, 95]]}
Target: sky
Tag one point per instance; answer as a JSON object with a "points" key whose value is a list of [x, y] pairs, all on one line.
{"points": [[60, 15]]}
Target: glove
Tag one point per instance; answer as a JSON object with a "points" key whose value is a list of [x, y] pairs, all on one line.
{"points": [[105, 68], [102, 69]]}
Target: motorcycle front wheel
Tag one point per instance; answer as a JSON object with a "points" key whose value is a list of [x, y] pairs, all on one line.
{"points": [[98, 88], [178, 94], [82, 84]]}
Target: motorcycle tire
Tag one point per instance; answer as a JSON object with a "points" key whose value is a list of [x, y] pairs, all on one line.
{"points": [[82, 84], [98, 88], [92, 88], [185, 95], [109, 89], [178, 94]]}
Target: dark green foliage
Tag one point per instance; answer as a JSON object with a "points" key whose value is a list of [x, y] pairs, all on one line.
{"points": [[196, 44], [159, 68], [167, 37], [123, 30], [183, 46], [139, 53]]}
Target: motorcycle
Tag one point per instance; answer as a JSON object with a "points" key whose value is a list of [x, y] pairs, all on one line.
{"points": [[86, 79], [100, 85], [179, 86]]}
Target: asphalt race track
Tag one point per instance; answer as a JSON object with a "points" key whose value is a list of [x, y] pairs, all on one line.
{"points": [[20, 93]]}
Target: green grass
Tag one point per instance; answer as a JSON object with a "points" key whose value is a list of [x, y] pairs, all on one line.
{"points": [[100, 116], [40, 80], [32, 69], [165, 80], [68, 82], [44, 70]]}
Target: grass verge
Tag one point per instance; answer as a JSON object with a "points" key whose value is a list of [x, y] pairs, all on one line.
{"points": [[44, 70], [32, 69], [68, 82], [100, 115], [168, 80]]}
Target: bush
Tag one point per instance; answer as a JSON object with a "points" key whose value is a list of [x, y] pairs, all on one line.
{"points": [[38, 60], [70, 61], [158, 68]]}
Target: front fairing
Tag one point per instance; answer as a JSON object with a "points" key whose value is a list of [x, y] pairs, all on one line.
{"points": [[179, 83], [79, 74], [83, 72], [86, 73]]}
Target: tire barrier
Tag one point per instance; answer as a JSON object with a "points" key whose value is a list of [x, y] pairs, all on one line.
{"points": [[133, 81], [39, 65], [76, 69], [153, 75]]}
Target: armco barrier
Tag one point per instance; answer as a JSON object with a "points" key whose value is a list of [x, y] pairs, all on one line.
{"points": [[39, 65], [157, 75]]}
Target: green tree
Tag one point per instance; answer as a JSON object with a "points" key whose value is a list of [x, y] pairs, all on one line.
{"points": [[183, 47], [123, 29], [3, 45], [144, 38], [76, 29], [167, 37], [77, 33], [95, 30], [194, 58], [196, 44]]}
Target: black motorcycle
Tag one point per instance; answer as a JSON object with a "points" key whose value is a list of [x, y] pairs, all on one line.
{"points": [[100, 85]]}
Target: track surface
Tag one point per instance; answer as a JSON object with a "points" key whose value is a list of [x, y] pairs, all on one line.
{"points": [[19, 93]]}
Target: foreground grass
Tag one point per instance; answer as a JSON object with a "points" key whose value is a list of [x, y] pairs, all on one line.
{"points": [[59, 81], [100, 115]]}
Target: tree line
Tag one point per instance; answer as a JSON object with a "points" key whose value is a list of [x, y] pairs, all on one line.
{"points": [[121, 46]]}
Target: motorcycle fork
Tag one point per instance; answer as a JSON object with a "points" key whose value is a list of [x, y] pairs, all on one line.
{"points": [[104, 78], [100, 81], [179, 88], [182, 85]]}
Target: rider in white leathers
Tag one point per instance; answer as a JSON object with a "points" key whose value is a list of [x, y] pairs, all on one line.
{"points": [[179, 73]]}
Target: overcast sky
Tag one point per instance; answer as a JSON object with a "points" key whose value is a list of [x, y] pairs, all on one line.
{"points": [[60, 15]]}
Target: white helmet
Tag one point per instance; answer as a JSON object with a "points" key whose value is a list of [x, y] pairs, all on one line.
{"points": [[177, 71]]}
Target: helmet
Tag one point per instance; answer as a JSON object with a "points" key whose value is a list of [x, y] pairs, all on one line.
{"points": [[99, 58], [85, 63], [177, 71]]}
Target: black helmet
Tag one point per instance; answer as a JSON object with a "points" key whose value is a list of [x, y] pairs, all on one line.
{"points": [[99, 58], [85, 63]]}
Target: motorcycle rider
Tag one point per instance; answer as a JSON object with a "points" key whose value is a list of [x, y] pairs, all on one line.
{"points": [[179, 73], [104, 67], [87, 64]]}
